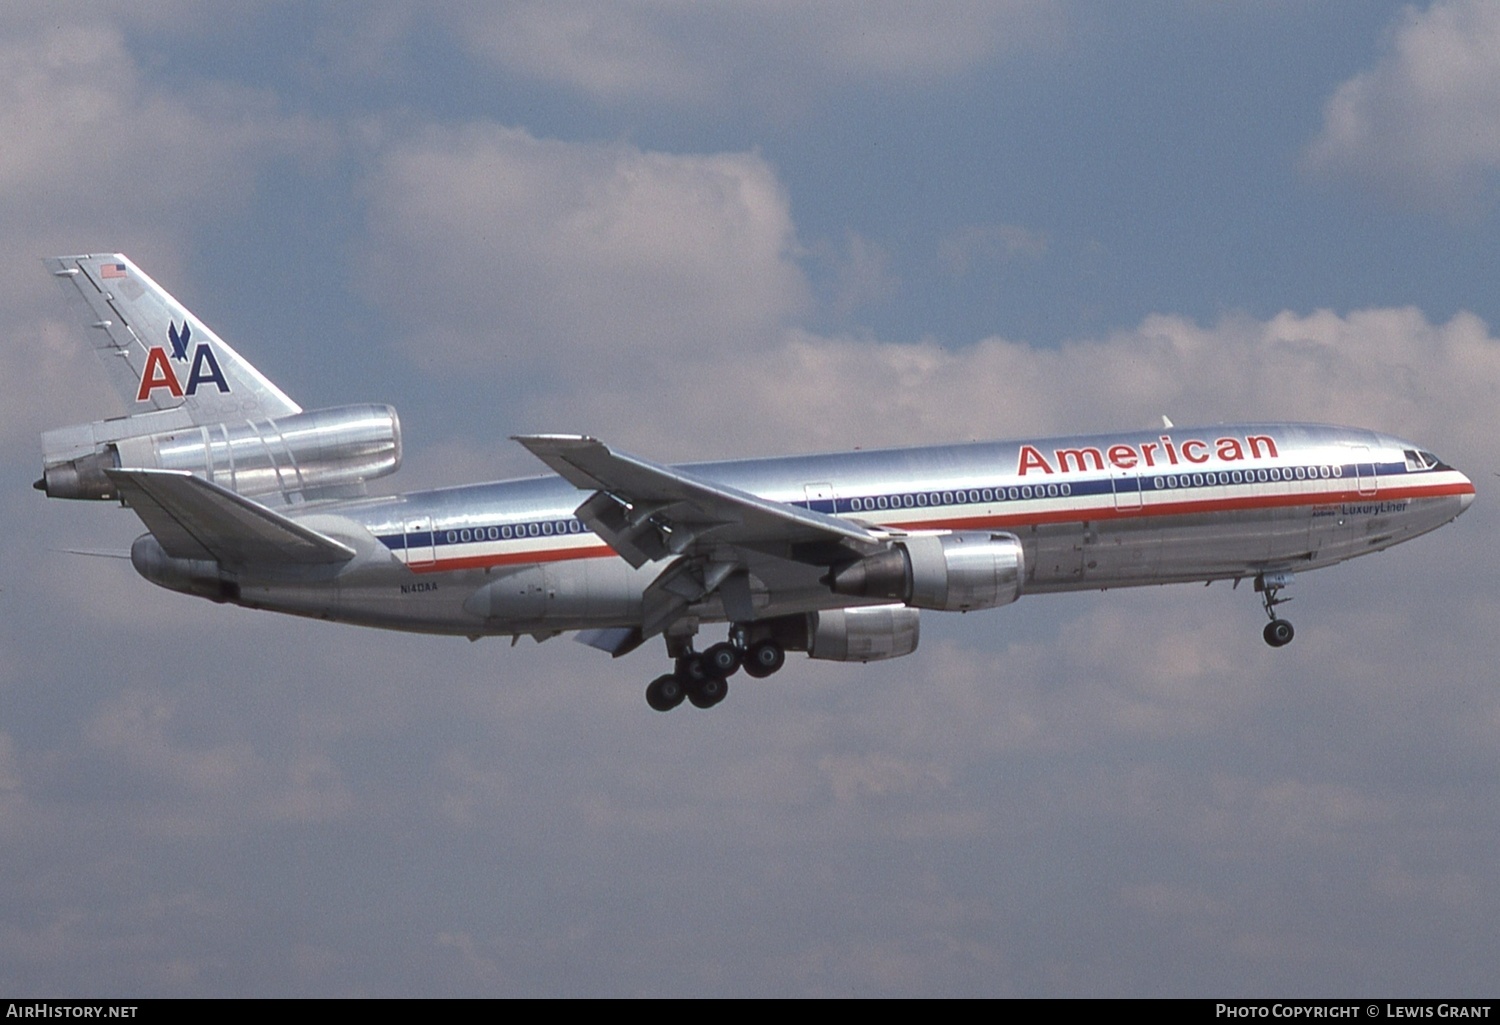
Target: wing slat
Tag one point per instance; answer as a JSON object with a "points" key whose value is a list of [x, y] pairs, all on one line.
{"points": [[654, 511]]}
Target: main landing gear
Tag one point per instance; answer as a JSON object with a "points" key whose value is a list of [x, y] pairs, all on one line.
{"points": [[703, 677], [1278, 632]]}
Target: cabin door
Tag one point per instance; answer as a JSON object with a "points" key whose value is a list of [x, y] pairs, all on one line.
{"points": [[419, 542]]}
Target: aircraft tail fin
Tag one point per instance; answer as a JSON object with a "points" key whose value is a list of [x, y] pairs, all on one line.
{"points": [[156, 354], [197, 405]]}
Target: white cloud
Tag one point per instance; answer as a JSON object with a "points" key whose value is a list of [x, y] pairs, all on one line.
{"points": [[563, 257], [1425, 120], [182, 783], [88, 137], [1389, 369], [986, 244], [98, 157], [862, 274], [779, 53]]}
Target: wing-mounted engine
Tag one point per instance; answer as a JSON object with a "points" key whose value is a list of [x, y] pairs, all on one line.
{"points": [[864, 633], [326, 453], [949, 572]]}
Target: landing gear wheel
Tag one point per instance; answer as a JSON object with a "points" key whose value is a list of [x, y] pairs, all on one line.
{"points": [[691, 669], [721, 660], [708, 692], [1278, 633], [665, 693], [763, 659]]}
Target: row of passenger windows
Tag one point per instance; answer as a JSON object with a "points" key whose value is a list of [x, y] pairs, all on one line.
{"points": [[551, 528], [923, 499], [1275, 473], [546, 528], [1025, 491]]}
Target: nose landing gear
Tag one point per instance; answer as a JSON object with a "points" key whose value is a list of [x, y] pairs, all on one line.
{"points": [[1278, 632]]}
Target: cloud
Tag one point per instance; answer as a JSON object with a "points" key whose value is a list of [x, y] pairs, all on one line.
{"points": [[1424, 121], [97, 156], [989, 244], [1389, 369], [505, 249], [182, 784], [586, 283], [89, 137], [861, 275], [738, 54]]}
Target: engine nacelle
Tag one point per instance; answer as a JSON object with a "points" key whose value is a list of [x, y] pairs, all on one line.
{"points": [[316, 452], [948, 572], [864, 633]]}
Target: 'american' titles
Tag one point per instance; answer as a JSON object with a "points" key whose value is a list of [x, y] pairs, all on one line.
{"points": [[1125, 456]]}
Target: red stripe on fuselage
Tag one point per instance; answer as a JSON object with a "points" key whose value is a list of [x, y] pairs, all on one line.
{"points": [[1188, 507], [596, 551]]}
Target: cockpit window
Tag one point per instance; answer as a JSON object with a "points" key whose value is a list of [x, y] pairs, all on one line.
{"points": [[1421, 460]]}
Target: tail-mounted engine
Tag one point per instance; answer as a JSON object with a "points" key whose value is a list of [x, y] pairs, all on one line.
{"points": [[324, 453], [949, 572]]}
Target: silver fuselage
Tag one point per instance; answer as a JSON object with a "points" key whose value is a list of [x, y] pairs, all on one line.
{"points": [[1091, 512]]}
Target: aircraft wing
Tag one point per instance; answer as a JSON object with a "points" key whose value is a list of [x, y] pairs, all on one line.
{"points": [[702, 530], [646, 511], [192, 518]]}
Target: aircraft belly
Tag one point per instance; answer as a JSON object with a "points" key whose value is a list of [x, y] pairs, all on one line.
{"points": [[1135, 551], [571, 595], [1348, 529]]}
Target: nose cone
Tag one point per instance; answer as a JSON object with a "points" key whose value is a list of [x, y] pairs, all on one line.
{"points": [[1463, 489]]}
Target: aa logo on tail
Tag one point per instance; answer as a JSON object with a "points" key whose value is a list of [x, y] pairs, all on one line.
{"points": [[159, 372]]}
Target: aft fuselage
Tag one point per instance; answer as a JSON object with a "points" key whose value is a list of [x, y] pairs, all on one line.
{"points": [[1091, 512]]}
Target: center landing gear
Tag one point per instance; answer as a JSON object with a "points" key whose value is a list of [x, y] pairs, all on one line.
{"points": [[1278, 632], [703, 678]]}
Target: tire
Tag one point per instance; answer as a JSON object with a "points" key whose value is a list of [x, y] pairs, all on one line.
{"points": [[708, 692], [763, 659], [1278, 633], [665, 693], [721, 660], [691, 670]]}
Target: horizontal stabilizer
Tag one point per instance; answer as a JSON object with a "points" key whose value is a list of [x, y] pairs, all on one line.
{"points": [[192, 518]]}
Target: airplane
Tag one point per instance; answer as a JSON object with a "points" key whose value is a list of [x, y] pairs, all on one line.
{"points": [[249, 499]]}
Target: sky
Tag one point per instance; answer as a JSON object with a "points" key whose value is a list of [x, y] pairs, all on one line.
{"points": [[707, 231]]}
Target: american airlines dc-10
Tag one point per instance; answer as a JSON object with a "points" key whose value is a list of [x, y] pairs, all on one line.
{"points": [[248, 499]]}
